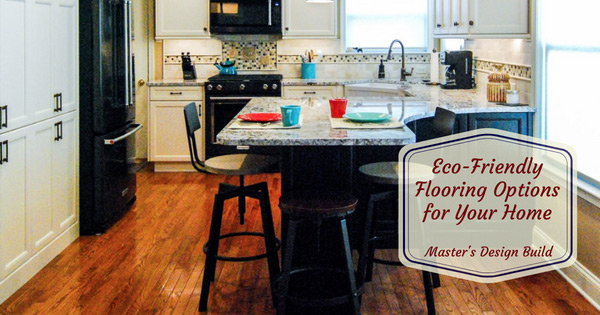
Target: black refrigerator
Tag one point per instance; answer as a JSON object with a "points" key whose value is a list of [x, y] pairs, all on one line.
{"points": [[107, 113]]}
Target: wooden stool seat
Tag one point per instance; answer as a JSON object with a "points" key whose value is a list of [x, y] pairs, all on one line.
{"points": [[322, 204], [241, 164], [386, 173]]}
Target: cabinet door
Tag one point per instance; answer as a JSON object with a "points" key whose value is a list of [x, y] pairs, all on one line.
{"points": [[460, 17], [447, 6], [14, 247], [309, 20], [182, 19], [499, 17], [439, 16], [40, 60], [12, 65], [513, 122], [168, 137], [65, 53], [64, 172]]}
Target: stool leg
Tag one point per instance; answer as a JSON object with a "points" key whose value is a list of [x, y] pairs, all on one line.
{"points": [[365, 248], [286, 267], [349, 266], [427, 283], [242, 200], [269, 231], [210, 263]]}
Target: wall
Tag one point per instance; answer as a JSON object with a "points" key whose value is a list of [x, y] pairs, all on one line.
{"points": [[283, 56]]}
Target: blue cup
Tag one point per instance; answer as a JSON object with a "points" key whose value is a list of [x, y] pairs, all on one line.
{"points": [[290, 115], [308, 71]]}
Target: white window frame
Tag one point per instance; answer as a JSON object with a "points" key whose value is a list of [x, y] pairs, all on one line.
{"points": [[396, 49]]}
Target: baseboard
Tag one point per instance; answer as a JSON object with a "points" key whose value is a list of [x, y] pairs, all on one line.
{"points": [[32, 266], [584, 281]]}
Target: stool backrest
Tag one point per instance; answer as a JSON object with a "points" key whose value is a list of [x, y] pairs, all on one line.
{"points": [[192, 123], [443, 122]]}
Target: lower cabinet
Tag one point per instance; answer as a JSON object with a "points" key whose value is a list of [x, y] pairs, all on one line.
{"points": [[521, 123], [167, 137], [38, 191]]}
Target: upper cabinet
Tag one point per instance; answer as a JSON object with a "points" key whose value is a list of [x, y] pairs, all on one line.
{"points": [[303, 19], [182, 19], [481, 18]]}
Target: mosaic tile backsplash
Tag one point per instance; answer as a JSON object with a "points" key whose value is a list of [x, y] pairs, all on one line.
{"points": [[251, 55]]}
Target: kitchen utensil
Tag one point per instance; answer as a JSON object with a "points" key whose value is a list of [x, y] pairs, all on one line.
{"points": [[338, 107], [291, 115], [260, 117], [367, 117], [226, 67]]}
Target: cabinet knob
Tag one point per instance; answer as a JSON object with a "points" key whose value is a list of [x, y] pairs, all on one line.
{"points": [[471, 23], [439, 25], [455, 23], [287, 28], [205, 29], [141, 82]]}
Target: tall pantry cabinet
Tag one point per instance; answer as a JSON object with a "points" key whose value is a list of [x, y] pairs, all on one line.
{"points": [[39, 131]]}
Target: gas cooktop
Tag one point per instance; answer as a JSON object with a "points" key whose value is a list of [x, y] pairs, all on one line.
{"points": [[247, 77]]}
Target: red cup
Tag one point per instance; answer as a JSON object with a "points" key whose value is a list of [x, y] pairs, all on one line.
{"points": [[338, 107]]}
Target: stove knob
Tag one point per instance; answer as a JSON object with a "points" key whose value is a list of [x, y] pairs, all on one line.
{"points": [[242, 87], [274, 86], [265, 86], [209, 87], [219, 87]]}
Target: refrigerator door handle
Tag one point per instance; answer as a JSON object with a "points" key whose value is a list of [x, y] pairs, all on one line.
{"points": [[120, 138], [130, 73]]}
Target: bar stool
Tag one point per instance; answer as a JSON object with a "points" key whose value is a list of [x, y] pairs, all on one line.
{"points": [[236, 165], [386, 173], [313, 207]]}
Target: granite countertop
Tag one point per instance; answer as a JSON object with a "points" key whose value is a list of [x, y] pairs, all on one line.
{"points": [[285, 82], [316, 129]]}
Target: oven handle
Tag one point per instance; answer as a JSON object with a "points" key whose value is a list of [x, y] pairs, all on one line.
{"points": [[120, 138], [270, 13]]}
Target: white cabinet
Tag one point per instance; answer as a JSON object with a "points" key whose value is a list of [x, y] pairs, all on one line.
{"points": [[303, 19], [37, 188], [481, 18], [293, 91], [167, 139], [39, 98], [182, 19]]}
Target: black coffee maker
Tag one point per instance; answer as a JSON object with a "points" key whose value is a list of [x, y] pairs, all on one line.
{"points": [[189, 71], [459, 74]]}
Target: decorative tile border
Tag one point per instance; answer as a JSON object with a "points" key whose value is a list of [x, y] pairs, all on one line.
{"points": [[251, 55], [515, 71], [357, 58], [176, 59]]}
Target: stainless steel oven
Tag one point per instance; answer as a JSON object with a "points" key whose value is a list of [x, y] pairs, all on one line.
{"points": [[225, 98]]}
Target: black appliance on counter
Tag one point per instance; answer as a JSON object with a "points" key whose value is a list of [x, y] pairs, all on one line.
{"points": [[225, 96], [245, 17], [107, 113], [187, 66], [459, 74]]}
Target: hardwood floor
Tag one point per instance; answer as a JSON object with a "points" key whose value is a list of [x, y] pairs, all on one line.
{"points": [[151, 262]]}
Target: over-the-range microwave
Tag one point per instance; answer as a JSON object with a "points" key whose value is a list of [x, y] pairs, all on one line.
{"points": [[245, 17]]}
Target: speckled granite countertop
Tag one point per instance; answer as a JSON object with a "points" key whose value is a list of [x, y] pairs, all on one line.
{"points": [[316, 129], [285, 82]]}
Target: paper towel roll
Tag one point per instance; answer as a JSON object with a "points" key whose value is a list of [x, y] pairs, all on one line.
{"points": [[434, 72]]}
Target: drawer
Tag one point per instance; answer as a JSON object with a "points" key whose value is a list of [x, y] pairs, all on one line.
{"points": [[176, 93], [310, 91]]}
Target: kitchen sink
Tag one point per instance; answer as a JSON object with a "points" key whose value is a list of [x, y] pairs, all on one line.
{"points": [[377, 89]]}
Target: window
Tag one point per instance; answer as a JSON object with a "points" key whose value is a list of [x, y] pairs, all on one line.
{"points": [[374, 24], [568, 68]]}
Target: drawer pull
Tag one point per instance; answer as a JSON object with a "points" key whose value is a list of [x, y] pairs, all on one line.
{"points": [[4, 153], [310, 92], [176, 93]]}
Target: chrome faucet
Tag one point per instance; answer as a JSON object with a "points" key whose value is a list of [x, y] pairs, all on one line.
{"points": [[403, 73]]}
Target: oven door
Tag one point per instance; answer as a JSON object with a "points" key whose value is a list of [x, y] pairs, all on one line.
{"points": [[245, 16], [220, 110]]}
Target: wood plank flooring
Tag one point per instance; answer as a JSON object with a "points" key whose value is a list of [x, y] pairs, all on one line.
{"points": [[151, 262]]}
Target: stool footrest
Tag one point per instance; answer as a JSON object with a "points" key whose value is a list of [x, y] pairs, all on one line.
{"points": [[246, 258], [316, 302]]}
